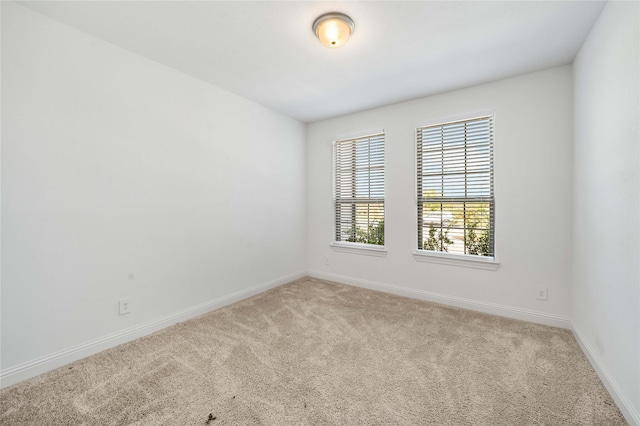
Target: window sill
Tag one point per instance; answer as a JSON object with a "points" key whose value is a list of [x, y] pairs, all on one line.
{"points": [[357, 248], [467, 261]]}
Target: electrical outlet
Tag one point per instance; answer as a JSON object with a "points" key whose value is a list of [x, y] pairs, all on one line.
{"points": [[542, 293], [125, 306], [326, 260]]}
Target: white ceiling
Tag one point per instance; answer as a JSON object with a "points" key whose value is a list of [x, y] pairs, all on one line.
{"points": [[265, 51]]}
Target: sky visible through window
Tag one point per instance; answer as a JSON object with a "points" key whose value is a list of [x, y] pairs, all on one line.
{"points": [[359, 186], [455, 187]]}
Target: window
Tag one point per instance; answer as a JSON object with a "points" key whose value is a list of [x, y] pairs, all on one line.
{"points": [[455, 187], [359, 189]]}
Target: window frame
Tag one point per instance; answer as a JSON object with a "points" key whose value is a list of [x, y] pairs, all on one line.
{"points": [[456, 259], [351, 246]]}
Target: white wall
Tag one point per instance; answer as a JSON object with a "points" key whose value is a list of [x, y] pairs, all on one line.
{"points": [[533, 176], [606, 212], [121, 177]]}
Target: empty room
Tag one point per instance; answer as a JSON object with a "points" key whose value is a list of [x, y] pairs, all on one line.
{"points": [[320, 213]]}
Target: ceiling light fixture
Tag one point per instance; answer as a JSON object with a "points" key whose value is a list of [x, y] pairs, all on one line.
{"points": [[333, 29]]}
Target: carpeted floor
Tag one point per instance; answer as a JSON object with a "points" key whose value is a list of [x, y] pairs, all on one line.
{"points": [[319, 353]]}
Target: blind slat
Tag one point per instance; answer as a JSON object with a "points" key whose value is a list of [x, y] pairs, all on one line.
{"points": [[456, 208], [359, 189]]}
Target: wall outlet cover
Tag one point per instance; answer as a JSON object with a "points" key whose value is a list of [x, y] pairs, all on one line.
{"points": [[541, 293], [124, 305]]}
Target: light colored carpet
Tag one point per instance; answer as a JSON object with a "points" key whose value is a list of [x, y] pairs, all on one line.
{"points": [[320, 353]]}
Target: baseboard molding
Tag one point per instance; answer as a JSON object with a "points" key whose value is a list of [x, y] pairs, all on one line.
{"points": [[41, 365], [46, 363], [489, 308], [629, 412]]}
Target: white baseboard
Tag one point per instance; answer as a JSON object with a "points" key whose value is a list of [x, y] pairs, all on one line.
{"points": [[629, 412], [474, 305], [46, 363], [627, 409], [41, 365]]}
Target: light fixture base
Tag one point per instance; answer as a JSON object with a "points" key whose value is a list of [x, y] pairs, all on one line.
{"points": [[333, 28]]}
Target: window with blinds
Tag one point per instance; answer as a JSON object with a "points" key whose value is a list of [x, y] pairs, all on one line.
{"points": [[359, 189], [455, 187]]}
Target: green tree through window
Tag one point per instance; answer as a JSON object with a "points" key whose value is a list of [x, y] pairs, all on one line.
{"points": [[359, 189], [455, 187]]}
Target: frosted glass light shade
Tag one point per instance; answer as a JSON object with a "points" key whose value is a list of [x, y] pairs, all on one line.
{"points": [[333, 29]]}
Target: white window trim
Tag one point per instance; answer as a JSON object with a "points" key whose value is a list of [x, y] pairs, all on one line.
{"points": [[346, 246], [454, 118], [357, 135], [466, 260], [443, 258], [359, 248]]}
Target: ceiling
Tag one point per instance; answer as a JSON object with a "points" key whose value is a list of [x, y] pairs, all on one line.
{"points": [[265, 51]]}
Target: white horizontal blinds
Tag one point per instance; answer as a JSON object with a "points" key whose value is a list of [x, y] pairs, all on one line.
{"points": [[359, 189], [455, 187]]}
